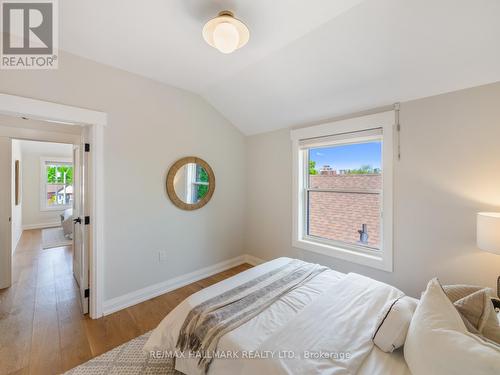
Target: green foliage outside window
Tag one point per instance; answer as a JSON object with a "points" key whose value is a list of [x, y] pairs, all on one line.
{"points": [[364, 169], [56, 174], [312, 167], [202, 176], [58, 178]]}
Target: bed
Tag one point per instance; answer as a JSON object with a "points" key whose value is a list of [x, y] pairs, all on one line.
{"points": [[244, 348]]}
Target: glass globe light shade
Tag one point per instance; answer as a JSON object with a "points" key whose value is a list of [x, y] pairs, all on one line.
{"points": [[226, 37]]}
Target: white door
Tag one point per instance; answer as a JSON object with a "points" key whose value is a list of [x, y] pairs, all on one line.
{"points": [[80, 225], [5, 212], [77, 242]]}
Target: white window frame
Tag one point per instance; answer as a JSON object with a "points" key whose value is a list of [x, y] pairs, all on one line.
{"points": [[380, 259], [190, 178], [43, 184]]}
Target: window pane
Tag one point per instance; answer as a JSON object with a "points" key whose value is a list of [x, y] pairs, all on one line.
{"points": [[59, 173], [59, 195], [59, 184], [358, 159], [201, 176], [352, 218], [347, 182]]}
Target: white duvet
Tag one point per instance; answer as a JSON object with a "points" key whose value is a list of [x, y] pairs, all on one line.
{"points": [[325, 326]]}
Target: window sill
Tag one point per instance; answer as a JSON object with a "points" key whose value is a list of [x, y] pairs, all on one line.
{"points": [[374, 261]]}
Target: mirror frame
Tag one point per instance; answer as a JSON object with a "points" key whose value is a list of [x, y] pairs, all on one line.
{"points": [[170, 183]]}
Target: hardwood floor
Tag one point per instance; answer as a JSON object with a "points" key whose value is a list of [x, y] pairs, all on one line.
{"points": [[42, 330]]}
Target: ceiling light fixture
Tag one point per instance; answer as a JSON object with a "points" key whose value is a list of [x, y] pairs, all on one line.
{"points": [[225, 32]]}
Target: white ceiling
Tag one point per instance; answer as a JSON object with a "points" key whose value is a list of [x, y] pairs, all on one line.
{"points": [[306, 60], [46, 148]]}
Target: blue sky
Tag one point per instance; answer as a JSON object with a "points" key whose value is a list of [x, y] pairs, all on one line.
{"points": [[348, 156]]}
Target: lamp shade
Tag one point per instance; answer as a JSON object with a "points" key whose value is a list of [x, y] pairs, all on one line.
{"points": [[488, 231], [226, 33]]}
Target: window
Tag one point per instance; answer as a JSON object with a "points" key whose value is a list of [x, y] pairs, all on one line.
{"points": [[196, 182], [343, 189], [56, 184]]}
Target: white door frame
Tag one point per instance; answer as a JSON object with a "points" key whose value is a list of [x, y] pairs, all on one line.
{"points": [[18, 106]]}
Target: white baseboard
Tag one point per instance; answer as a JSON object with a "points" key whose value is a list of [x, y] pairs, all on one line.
{"points": [[254, 261], [141, 295], [41, 225]]}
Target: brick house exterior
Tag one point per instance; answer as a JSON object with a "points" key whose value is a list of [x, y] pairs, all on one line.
{"points": [[339, 215]]}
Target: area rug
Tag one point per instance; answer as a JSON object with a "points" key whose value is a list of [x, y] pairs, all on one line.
{"points": [[127, 359], [54, 237]]}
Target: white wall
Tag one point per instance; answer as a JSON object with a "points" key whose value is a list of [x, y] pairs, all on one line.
{"points": [[16, 214], [33, 214], [151, 125], [449, 171]]}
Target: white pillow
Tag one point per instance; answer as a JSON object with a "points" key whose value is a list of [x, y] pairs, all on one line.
{"points": [[391, 333], [438, 341]]}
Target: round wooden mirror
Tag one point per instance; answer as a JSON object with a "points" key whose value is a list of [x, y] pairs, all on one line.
{"points": [[190, 183]]}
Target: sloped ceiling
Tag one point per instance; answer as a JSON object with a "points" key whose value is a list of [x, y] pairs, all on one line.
{"points": [[306, 60]]}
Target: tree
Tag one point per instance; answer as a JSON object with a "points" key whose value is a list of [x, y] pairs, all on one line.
{"points": [[364, 169], [201, 190], [312, 167], [55, 174]]}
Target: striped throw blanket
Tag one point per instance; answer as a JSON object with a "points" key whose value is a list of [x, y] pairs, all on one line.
{"points": [[206, 323]]}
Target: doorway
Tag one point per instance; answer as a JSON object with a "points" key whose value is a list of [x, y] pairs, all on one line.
{"points": [[43, 116], [49, 238]]}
